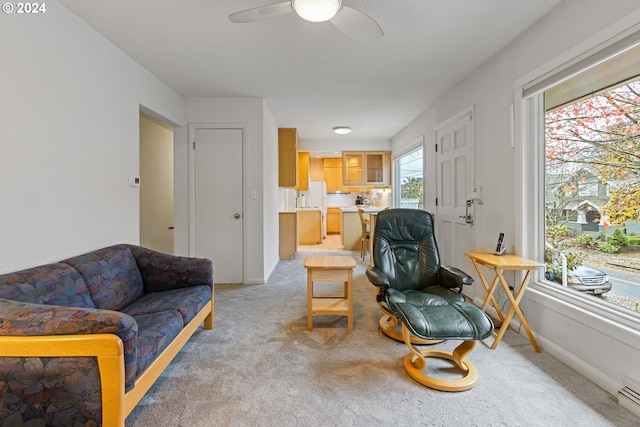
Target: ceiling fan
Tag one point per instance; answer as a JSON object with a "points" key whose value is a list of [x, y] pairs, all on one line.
{"points": [[350, 21]]}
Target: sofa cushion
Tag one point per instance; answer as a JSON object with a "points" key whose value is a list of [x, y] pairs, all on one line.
{"points": [[51, 391], [112, 276], [51, 284], [187, 301], [155, 333], [162, 272]]}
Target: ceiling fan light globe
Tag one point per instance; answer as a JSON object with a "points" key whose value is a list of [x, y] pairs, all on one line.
{"points": [[316, 10]]}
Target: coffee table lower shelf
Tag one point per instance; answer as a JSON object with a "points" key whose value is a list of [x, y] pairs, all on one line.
{"points": [[330, 269]]}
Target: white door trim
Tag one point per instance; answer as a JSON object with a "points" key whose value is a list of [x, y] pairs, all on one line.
{"points": [[193, 127], [469, 110]]}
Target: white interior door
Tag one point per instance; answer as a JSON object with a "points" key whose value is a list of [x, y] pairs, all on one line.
{"points": [[217, 228], [156, 184], [454, 217]]}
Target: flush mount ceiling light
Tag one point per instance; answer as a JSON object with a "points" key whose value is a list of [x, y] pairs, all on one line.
{"points": [[316, 10], [342, 130]]}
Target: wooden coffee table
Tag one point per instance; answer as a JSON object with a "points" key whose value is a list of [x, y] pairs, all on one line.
{"points": [[334, 268]]}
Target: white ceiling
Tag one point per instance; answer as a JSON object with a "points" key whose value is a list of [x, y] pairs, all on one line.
{"points": [[312, 76]]}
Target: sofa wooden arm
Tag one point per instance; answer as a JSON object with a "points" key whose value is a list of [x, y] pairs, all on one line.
{"points": [[109, 351], [107, 348]]}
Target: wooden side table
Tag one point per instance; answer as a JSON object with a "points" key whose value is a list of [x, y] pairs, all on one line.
{"points": [[499, 264], [334, 268]]}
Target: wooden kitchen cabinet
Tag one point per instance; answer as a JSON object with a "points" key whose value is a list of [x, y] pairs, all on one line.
{"points": [[366, 168], [303, 171], [287, 157], [288, 235], [333, 174], [353, 165], [316, 169], [309, 227], [334, 220]]}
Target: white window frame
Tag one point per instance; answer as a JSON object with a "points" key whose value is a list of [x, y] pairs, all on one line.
{"points": [[396, 171], [529, 145]]}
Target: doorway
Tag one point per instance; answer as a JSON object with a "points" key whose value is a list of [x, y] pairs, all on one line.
{"points": [[156, 184], [216, 199]]}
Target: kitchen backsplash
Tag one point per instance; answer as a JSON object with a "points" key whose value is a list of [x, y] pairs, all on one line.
{"points": [[380, 198]]}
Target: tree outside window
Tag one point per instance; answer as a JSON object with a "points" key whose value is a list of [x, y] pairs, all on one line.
{"points": [[411, 180], [592, 185]]}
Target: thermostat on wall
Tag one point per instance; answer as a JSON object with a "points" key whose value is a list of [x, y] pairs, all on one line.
{"points": [[134, 181]]}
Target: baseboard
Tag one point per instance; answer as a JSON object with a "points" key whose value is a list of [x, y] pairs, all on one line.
{"points": [[629, 396]]}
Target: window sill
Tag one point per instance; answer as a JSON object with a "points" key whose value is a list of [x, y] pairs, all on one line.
{"points": [[610, 319]]}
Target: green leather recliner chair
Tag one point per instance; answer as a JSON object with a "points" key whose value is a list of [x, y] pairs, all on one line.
{"points": [[425, 297], [407, 267]]}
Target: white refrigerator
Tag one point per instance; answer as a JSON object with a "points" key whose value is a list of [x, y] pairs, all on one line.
{"points": [[316, 197]]}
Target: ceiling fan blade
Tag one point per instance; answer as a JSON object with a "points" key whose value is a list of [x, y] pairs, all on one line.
{"points": [[356, 24], [261, 13]]}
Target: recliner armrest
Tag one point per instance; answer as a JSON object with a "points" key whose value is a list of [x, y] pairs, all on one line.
{"points": [[452, 277], [377, 278]]}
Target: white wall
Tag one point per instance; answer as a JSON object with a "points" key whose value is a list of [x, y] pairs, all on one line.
{"points": [[257, 176], [602, 351], [69, 117], [271, 193]]}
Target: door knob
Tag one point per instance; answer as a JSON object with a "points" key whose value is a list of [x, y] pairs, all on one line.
{"points": [[237, 216]]}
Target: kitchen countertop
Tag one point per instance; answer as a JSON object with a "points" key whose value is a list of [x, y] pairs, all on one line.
{"points": [[365, 208]]}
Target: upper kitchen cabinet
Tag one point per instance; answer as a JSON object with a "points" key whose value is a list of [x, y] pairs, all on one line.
{"points": [[333, 174], [316, 168], [288, 157], [367, 168], [303, 171]]}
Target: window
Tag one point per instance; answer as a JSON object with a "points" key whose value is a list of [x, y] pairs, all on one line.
{"points": [[592, 195], [584, 135], [410, 180]]}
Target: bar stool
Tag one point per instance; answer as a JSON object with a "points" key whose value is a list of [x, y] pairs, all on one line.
{"points": [[364, 238]]}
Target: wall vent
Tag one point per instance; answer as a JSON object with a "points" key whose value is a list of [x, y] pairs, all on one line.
{"points": [[629, 396]]}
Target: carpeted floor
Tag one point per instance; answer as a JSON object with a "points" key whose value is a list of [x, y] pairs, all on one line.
{"points": [[261, 367]]}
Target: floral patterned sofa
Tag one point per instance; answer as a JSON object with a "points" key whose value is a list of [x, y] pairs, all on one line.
{"points": [[82, 340]]}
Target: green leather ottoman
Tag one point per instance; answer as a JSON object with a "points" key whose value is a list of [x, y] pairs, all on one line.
{"points": [[454, 321]]}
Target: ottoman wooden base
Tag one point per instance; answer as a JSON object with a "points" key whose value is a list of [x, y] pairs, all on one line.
{"points": [[390, 326], [416, 361], [459, 321]]}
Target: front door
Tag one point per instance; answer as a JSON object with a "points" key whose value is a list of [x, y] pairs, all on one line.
{"points": [[217, 229], [454, 217]]}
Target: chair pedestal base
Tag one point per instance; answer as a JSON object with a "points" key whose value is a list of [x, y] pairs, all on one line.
{"points": [[390, 326], [416, 361]]}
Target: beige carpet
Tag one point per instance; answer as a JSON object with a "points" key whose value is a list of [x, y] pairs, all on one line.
{"points": [[261, 367]]}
